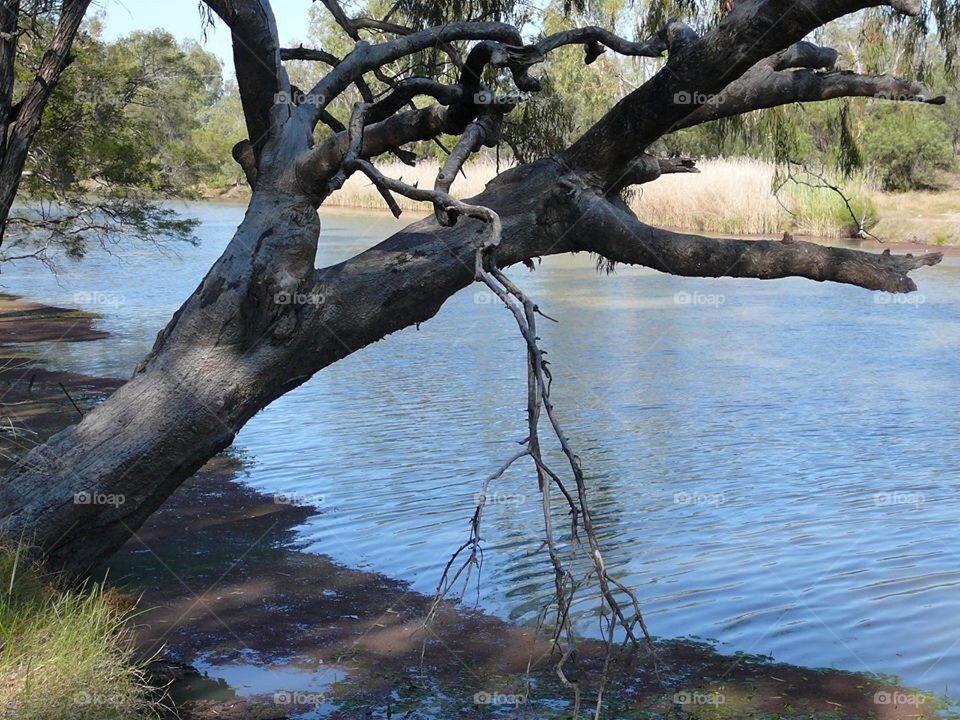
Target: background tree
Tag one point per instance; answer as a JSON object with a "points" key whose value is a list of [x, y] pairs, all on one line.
{"points": [[122, 132], [39, 23], [897, 148]]}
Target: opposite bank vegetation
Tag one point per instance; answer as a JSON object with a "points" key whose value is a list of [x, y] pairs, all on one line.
{"points": [[728, 196]]}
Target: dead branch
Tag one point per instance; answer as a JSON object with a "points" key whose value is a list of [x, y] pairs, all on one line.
{"points": [[796, 173], [538, 398]]}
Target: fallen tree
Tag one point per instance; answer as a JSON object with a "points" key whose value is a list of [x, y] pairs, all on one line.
{"points": [[235, 346]]}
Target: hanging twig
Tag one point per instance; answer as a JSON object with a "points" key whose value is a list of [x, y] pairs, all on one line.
{"points": [[468, 556]]}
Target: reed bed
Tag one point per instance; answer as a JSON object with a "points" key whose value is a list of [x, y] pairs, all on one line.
{"points": [[727, 196]]}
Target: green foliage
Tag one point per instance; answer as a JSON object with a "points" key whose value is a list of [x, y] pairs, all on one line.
{"points": [[124, 114], [906, 146], [903, 146], [130, 123], [542, 126], [700, 14], [436, 12], [849, 157], [220, 126]]}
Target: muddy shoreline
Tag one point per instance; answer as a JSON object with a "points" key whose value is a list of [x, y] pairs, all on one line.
{"points": [[248, 625]]}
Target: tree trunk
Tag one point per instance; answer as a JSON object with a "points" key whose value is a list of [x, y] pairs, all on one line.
{"points": [[224, 356], [248, 334], [251, 332], [20, 123]]}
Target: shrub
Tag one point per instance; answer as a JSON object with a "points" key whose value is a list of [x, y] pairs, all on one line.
{"points": [[906, 147]]}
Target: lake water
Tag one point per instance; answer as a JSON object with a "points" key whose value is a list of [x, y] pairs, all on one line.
{"points": [[773, 465]]}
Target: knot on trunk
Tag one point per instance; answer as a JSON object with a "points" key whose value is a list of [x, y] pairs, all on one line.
{"points": [[563, 204]]}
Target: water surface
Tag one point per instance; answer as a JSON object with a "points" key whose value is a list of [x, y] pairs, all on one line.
{"points": [[772, 464]]}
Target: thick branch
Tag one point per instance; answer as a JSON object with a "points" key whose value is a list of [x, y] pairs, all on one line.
{"points": [[322, 162], [545, 211], [754, 30], [256, 57], [803, 55], [621, 237], [648, 168], [764, 88]]}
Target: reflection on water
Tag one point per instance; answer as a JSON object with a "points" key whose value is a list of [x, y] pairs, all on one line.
{"points": [[299, 687], [772, 463]]}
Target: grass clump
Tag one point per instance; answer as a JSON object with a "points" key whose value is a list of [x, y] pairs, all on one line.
{"points": [[65, 654], [822, 212]]}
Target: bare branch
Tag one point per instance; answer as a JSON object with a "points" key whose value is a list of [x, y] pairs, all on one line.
{"points": [[352, 26], [478, 133], [302, 53], [309, 54], [441, 200], [365, 58], [860, 222], [765, 88], [500, 44], [596, 38]]}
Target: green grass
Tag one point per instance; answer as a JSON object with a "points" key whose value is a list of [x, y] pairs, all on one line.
{"points": [[65, 654], [822, 212]]}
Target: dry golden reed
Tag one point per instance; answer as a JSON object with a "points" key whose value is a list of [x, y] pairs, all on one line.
{"points": [[727, 196]]}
